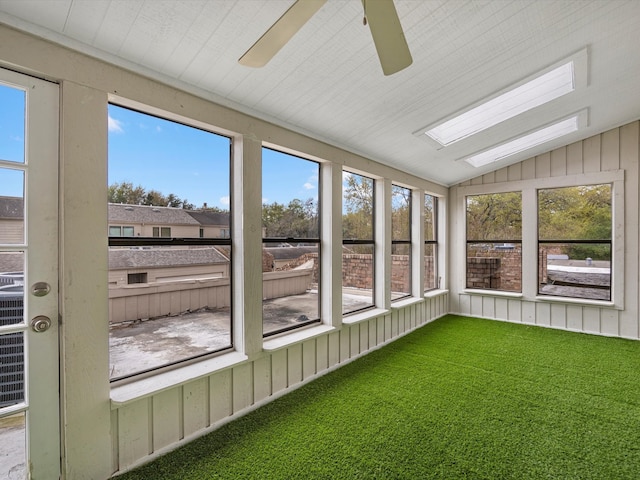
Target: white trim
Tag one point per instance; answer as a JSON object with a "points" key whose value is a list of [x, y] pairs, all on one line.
{"points": [[405, 302], [491, 293], [435, 293], [295, 336], [529, 190], [158, 382], [577, 301], [579, 62], [364, 316]]}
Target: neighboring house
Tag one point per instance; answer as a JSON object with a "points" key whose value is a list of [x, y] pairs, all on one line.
{"points": [[212, 224], [150, 221], [156, 265], [151, 265], [11, 216]]}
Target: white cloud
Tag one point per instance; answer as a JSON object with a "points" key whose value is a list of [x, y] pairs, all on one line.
{"points": [[309, 186], [115, 126], [224, 200]]}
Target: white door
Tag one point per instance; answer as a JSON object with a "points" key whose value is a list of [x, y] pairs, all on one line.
{"points": [[29, 359]]}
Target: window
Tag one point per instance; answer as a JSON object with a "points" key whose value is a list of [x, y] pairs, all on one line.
{"points": [[291, 242], [151, 169], [162, 232], [358, 242], [494, 241], [136, 278], [400, 242], [116, 231], [574, 241], [431, 281]]}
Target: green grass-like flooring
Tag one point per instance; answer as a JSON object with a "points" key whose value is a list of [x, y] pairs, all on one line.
{"points": [[459, 398]]}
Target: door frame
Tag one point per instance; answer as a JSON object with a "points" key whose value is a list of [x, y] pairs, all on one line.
{"points": [[41, 349]]}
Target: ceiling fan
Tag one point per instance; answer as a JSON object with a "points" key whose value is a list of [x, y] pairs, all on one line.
{"points": [[381, 15]]}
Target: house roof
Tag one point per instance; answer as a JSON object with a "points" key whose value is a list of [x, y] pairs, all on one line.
{"points": [[290, 253], [162, 257], [11, 207], [149, 215], [210, 218]]}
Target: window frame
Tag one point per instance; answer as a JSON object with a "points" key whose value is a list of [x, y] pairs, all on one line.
{"points": [[121, 229], [371, 242], [529, 189], [316, 241], [433, 242], [160, 241], [492, 241], [161, 230], [576, 241], [138, 277], [405, 241]]}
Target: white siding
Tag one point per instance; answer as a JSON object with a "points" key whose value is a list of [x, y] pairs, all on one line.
{"points": [[148, 426], [611, 151]]}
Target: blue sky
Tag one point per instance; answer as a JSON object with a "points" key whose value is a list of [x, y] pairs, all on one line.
{"points": [[194, 164], [11, 139], [163, 155]]}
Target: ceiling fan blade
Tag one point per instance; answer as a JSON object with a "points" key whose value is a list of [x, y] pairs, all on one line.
{"points": [[387, 34], [280, 33]]}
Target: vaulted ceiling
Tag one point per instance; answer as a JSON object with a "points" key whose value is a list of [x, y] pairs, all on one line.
{"points": [[327, 81]]}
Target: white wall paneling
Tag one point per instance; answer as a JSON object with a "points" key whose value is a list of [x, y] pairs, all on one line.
{"points": [[612, 156]]}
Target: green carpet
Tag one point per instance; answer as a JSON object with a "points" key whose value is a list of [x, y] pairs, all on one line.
{"points": [[459, 398]]}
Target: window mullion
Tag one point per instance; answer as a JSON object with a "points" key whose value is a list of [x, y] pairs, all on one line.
{"points": [[529, 246]]}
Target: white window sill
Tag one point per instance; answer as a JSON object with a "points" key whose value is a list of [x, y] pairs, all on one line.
{"points": [[577, 301], [492, 293], [435, 293], [156, 383], [294, 337], [405, 302], [364, 316]]}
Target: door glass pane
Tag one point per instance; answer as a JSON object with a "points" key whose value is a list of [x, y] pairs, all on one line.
{"points": [[12, 105], [11, 207]]}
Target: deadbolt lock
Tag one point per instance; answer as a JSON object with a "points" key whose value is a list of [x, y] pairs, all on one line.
{"points": [[40, 324]]}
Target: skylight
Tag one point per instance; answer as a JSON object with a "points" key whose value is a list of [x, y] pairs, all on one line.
{"points": [[536, 92], [526, 142]]}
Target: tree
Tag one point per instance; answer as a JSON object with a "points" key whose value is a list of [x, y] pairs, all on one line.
{"points": [[496, 216], [358, 195], [126, 193], [577, 213], [400, 213], [298, 219], [357, 221]]}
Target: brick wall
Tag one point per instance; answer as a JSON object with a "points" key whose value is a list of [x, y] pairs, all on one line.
{"points": [[357, 270], [496, 269], [483, 272]]}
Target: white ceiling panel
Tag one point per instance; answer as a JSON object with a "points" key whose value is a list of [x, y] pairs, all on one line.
{"points": [[327, 81]]}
